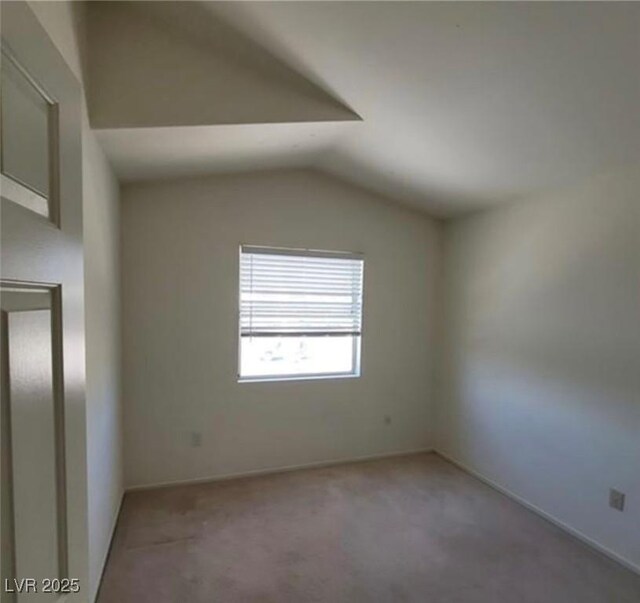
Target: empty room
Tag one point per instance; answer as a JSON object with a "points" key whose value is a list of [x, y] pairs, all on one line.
{"points": [[320, 302]]}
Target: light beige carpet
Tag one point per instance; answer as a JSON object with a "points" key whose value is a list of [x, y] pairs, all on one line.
{"points": [[411, 528]]}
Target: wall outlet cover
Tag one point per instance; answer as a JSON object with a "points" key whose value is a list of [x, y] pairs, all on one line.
{"points": [[616, 499]]}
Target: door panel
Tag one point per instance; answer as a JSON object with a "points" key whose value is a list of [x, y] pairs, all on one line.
{"points": [[25, 130], [31, 405]]}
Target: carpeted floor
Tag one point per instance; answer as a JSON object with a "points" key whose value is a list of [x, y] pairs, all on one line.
{"points": [[411, 528]]}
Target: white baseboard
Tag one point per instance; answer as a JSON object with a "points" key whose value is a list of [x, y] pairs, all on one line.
{"points": [[538, 511], [271, 470], [114, 523]]}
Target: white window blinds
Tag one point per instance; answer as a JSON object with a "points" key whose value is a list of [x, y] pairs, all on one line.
{"points": [[285, 292]]}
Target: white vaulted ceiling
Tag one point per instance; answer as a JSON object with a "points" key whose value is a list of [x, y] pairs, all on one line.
{"points": [[443, 106]]}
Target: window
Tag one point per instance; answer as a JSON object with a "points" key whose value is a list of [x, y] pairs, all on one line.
{"points": [[300, 314]]}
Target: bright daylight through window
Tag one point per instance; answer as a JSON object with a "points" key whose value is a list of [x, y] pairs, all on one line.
{"points": [[300, 313]]}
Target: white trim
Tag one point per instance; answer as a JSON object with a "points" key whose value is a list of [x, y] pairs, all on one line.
{"points": [[301, 377], [274, 470], [22, 194], [13, 59], [295, 251], [114, 524], [538, 511]]}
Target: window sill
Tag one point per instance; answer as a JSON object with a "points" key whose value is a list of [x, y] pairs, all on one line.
{"points": [[325, 377]]}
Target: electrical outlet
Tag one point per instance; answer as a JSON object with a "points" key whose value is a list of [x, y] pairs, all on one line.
{"points": [[196, 439], [616, 499]]}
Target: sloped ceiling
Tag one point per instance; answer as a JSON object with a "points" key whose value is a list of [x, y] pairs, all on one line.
{"points": [[155, 153], [164, 64], [444, 106]]}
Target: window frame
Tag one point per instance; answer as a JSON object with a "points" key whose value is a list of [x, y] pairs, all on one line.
{"points": [[356, 353]]}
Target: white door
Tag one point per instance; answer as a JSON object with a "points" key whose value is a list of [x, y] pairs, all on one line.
{"points": [[42, 429]]}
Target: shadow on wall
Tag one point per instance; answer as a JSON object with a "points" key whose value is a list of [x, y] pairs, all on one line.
{"points": [[541, 373], [177, 63]]}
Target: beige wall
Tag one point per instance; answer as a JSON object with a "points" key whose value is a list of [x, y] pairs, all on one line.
{"points": [[102, 316], [102, 309], [180, 336], [540, 387]]}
